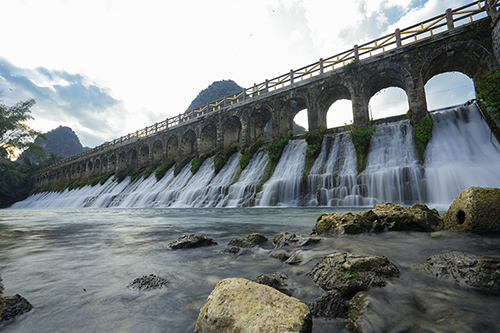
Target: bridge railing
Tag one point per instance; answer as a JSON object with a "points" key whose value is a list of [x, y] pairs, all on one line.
{"points": [[430, 27]]}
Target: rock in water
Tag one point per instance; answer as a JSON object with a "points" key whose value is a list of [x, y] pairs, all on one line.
{"points": [[148, 282], [1, 299], [475, 271], [476, 209], [240, 305], [278, 281], [331, 305], [15, 306], [192, 241], [250, 240], [349, 273]]}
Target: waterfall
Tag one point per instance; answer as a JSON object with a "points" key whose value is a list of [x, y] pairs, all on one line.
{"points": [[283, 188], [461, 153]]}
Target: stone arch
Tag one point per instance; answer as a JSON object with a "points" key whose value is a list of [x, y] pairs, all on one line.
{"points": [[328, 97], [157, 151], [90, 169], [97, 166], [208, 139], [122, 160], [259, 125], [104, 164], [231, 132], [113, 163], [188, 144], [143, 155], [449, 89], [173, 148], [469, 58], [289, 110]]}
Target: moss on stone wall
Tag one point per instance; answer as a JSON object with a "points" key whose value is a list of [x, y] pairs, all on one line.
{"points": [[423, 134], [314, 140], [361, 136]]}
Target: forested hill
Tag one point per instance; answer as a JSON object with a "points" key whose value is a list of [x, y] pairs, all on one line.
{"points": [[213, 92], [63, 141]]}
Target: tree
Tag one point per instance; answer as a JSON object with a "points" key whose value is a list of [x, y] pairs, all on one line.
{"points": [[15, 135]]}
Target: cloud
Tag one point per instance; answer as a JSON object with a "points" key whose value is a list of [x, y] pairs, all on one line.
{"points": [[62, 99]]}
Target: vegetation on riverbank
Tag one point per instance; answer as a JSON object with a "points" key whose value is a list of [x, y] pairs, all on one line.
{"points": [[361, 136]]}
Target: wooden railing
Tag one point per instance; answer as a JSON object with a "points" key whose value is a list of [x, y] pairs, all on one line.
{"points": [[452, 18]]}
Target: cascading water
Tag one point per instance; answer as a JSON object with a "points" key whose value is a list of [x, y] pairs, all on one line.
{"points": [[461, 153], [283, 188]]}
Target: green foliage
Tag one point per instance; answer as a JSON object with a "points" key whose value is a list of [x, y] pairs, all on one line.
{"points": [[220, 159], [14, 133], [489, 92], [423, 133], [179, 166], [348, 273], [195, 165], [14, 186], [297, 129], [314, 140], [217, 90], [162, 170], [121, 174], [249, 152], [360, 136], [276, 146]]}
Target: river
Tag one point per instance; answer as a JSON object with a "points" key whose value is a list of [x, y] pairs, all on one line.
{"points": [[74, 266]]}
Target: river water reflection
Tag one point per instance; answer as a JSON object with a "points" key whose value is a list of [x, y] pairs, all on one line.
{"points": [[74, 267]]}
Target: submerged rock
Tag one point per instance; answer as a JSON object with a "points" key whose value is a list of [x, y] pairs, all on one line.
{"points": [[240, 305], [383, 216], [148, 282], [278, 281], [1, 299], [476, 271], [349, 273], [192, 241], [330, 304], [250, 240], [476, 209], [14, 306], [356, 320], [290, 239]]}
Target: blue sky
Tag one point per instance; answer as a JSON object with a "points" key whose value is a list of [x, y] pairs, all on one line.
{"points": [[109, 67]]}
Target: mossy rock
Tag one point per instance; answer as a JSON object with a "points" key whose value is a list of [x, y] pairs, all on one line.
{"points": [[250, 240], [476, 210]]}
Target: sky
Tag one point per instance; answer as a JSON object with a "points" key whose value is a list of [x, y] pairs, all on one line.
{"points": [[106, 68]]}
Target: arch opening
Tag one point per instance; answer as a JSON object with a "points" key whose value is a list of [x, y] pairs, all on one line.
{"points": [[448, 89], [143, 156], [388, 102], [300, 122], [339, 114], [188, 144], [172, 148], [260, 125]]}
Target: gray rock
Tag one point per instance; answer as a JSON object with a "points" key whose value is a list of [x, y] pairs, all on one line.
{"points": [[14, 306], [192, 241], [338, 224], [330, 304], [349, 273], [278, 281], [250, 240], [240, 305], [476, 209], [290, 239], [148, 282], [476, 271]]}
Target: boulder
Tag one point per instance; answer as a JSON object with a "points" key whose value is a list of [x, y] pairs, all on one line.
{"points": [[15, 306], [476, 271], [383, 216], [240, 305], [338, 224], [394, 217], [476, 209], [250, 240], [148, 282], [192, 241], [330, 304], [349, 273], [278, 281], [356, 320], [290, 239]]}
